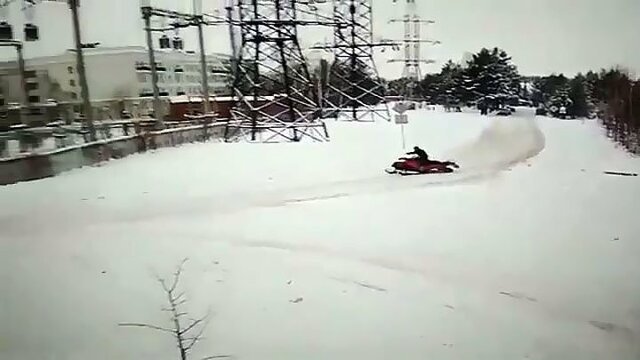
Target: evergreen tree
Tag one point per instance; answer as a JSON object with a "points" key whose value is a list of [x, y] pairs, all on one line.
{"points": [[551, 84], [525, 93], [535, 95], [494, 78], [450, 84], [509, 79], [430, 87], [592, 79], [398, 87], [580, 96], [489, 76], [560, 99]]}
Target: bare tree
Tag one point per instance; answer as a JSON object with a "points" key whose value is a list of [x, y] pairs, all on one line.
{"points": [[186, 331]]}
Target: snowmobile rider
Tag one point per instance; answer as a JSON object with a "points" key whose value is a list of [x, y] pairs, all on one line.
{"points": [[422, 155]]}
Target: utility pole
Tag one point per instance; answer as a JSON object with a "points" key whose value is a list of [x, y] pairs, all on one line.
{"points": [[181, 20], [203, 68], [23, 78], [232, 39], [631, 85], [146, 14], [84, 88]]}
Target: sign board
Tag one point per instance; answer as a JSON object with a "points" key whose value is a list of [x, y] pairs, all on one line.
{"points": [[401, 108], [402, 119]]}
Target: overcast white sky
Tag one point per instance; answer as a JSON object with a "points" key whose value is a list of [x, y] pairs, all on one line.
{"points": [[543, 36]]}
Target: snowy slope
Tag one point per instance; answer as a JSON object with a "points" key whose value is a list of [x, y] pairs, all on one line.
{"points": [[530, 252]]}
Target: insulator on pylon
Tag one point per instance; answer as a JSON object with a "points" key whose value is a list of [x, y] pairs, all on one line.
{"points": [[165, 42], [178, 43]]}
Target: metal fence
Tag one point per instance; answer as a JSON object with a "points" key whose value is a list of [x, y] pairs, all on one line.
{"points": [[20, 140]]}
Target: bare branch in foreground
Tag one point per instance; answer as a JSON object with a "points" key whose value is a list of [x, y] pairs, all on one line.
{"points": [[148, 326], [187, 332]]}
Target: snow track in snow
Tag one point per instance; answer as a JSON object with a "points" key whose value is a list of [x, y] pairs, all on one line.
{"points": [[285, 237], [504, 142]]}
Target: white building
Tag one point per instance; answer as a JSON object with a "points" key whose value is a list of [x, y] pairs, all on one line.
{"points": [[115, 73], [112, 23]]}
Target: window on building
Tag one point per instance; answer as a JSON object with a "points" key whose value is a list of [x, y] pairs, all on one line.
{"points": [[30, 74], [32, 86], [70, 69], [72, 82], [74, 96], [34, 99]]}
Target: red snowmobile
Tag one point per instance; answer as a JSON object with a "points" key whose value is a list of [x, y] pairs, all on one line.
{"points": [[414, 166]]}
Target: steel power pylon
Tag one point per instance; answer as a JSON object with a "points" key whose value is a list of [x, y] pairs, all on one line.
{"points": [[276, 99], [354, 87], [412, 43]]}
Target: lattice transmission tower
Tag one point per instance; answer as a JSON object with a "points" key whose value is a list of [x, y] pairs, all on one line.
{"points": [[412, 44], [276, 99], [354, 88]]}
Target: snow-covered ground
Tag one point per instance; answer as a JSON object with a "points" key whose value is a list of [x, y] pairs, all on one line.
{"points": [[310, 251]]}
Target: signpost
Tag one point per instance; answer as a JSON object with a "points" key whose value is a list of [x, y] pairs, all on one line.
{"points": [[401, 119]]}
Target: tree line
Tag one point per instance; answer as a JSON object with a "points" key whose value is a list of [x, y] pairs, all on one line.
{"points": [[490, 81]]}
